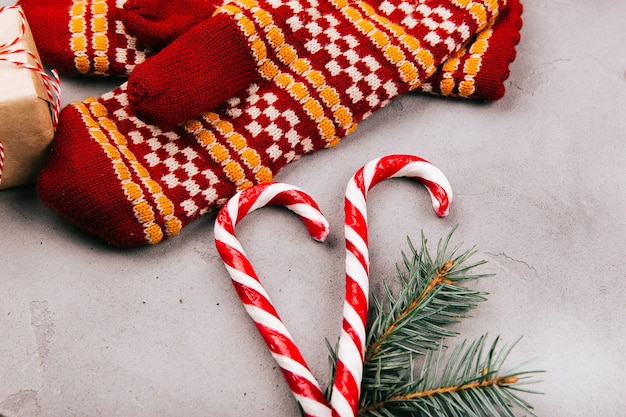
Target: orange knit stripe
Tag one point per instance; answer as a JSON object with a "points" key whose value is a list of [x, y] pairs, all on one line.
{"points": [[390, 38], [479, 11], [233, 169], [100, 40], [78, 38], [79, 28], [473, 64], [313, 97], [114, 145], [468, 71]]}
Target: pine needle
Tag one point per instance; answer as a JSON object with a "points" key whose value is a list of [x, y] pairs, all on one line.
{"points": [[408, 371]]}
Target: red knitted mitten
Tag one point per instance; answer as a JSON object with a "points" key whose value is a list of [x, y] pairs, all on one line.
{"points": [[199, 70], [323, 67], [108, 37]]}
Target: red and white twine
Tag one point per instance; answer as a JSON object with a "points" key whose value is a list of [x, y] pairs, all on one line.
{"points": [[52, 83], [1, 159], [350, 355]]}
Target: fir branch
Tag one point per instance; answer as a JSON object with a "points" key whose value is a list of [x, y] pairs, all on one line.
{"points": [[430, 298], [408, 326], [439, 279], [470, 384]]}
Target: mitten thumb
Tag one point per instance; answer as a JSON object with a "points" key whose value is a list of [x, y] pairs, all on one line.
{"points": [[214, 54]]}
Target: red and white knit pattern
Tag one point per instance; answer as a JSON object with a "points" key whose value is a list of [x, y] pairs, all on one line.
{"points": [[256, 301], [479, 69], [343, 60], [325, 66], [99, 41], [351, 350]]}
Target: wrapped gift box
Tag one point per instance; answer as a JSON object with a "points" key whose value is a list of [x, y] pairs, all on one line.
{"points": [[26, 127]]}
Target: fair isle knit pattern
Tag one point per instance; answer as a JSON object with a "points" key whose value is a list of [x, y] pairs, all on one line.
{"points": [[468, 66], [84, 37], [325, 65], [99, 40], [479, 70], [342, 60], [194, 73], [410, 35]]}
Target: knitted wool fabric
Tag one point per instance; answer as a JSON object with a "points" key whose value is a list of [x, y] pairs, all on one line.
{"points": [[107, 37], [479, 70], [324, 65], [198, 71]]}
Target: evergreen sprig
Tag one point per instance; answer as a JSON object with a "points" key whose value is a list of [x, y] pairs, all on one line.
{"points": [[410, 326], [430, 298]]}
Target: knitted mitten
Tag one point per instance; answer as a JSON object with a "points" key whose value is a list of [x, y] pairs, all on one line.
{"points": [[199, 70], [107, 37], [323, 66]]}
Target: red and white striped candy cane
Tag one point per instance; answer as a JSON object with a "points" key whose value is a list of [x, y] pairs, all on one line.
{"points": [[257, 302], [350, 355], [52, 84]]}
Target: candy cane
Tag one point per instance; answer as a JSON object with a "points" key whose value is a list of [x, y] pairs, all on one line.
{"points": [[257, 303], [52, 84], [350, 354]]}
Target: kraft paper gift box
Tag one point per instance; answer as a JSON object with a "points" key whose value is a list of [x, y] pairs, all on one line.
{"points": [[26, 127]]}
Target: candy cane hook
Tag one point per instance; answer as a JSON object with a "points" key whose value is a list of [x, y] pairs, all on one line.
{"points": [[256, 301], [351, 349]]}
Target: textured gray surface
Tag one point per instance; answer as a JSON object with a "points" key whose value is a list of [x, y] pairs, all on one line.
{"points": [[87, 330]]}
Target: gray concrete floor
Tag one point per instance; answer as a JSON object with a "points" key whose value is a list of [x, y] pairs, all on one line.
{"points": [[88, 330]]}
